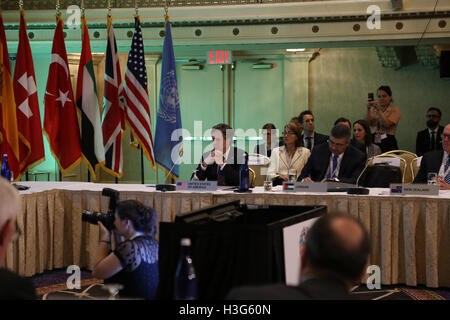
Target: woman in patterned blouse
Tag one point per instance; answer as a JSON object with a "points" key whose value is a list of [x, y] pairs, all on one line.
{"points": [[134, 261]]}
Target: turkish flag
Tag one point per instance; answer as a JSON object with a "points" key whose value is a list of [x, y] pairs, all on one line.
{"points": [[31, 144], [60, 119]]}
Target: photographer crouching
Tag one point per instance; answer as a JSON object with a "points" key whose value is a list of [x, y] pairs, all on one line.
{"points": [[134, 261]]}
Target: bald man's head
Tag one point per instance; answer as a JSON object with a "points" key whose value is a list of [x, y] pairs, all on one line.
{"points": [[9, 202], [338, 244]]}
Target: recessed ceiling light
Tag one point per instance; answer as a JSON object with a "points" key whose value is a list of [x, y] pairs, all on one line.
{"points": [[295, 50]]}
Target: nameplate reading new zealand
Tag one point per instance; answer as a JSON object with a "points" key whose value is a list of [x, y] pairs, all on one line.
{"points": [[196, 185], [415, 189]]}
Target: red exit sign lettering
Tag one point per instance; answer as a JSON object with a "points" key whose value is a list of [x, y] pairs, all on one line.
{"points": [[219, 57]]}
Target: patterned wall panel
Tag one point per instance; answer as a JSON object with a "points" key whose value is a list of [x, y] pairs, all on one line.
{"points": [[97, 4]]}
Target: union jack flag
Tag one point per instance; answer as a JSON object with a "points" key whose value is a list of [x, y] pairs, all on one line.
{"points": [[136, 94], [113, 124]]}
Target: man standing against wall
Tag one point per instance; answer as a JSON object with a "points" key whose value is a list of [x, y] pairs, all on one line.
{"points": [[430, 138], [310, 138]]}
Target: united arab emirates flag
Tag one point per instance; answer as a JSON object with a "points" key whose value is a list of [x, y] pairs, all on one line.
{"points": [[87, 102]]}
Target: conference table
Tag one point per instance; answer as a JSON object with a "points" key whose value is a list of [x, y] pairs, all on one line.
{"points": [[410, 235]]}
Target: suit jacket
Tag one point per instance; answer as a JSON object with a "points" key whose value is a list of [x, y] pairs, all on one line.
{"points": [[311, 289], [352, 164], [431, 162], [423, 141], [279, 162], [318, 139], [235, 158], [14, 287], [358, 145]]}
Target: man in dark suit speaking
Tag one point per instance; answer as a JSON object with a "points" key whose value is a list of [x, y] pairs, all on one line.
{"points": [[438, 162], [335, 160], [223, 163]]}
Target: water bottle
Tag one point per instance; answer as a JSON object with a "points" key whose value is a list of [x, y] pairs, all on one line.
{"points": [[6, 171], [186, 287], [244, 176]]}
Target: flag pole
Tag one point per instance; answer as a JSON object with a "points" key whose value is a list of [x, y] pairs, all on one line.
{"points": [[136, 12], [82, 30], [58, 15]]}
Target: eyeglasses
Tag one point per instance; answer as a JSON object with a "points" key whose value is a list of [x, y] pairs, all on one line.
{"points": [[434, 116], [17, 233], [332, 143], [443, 136], [288, 133]]}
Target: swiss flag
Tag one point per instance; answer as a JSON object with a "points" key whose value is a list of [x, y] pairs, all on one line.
{"points": [[31, 144], [60, 119]]}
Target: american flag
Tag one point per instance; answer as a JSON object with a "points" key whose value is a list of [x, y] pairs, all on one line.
{"points": [[113, 110], [136, 94]]}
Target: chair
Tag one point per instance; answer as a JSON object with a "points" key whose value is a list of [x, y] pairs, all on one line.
{"points": [[408, 175], [259, 164], [388, 158], [251, 177], [415, 166]]}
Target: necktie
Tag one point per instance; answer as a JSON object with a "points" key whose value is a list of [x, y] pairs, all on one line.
{"points": [[332, 172], [308, 143], [433, 141], [447, 177], [220, 176]]}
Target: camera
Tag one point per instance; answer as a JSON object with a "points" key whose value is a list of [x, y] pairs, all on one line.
{"points": [[107, 219], [370, 96]]}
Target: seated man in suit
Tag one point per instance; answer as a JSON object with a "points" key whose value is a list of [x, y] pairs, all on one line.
{"points": [[353, 142], [309, 136], [336, 160], [12, 286], [223, 163], [334, 260], [437, 161], [430, 138]]}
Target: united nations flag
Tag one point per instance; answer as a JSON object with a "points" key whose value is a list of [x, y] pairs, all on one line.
{"points": [[168, 138]]}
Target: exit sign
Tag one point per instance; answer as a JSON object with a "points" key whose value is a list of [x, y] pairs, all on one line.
{"points": [[219, 57]]}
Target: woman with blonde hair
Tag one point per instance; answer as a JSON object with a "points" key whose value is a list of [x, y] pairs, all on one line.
{"points": [[289, 157]]}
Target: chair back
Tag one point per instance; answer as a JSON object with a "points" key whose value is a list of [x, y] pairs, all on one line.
{"points": [[408, 175], [391, 160], [381, 173], [259, 164], [415, 166], [251, 177]]}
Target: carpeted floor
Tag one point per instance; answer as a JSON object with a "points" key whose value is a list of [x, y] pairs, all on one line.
{"points": [[52, 285], [54, 281]]}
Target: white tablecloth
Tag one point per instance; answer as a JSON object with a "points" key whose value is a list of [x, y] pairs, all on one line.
{"points": [[410, 235]]}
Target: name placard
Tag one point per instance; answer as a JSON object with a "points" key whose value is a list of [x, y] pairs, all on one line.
{"points": [[288, 187], [310, 187], [415, 189], [195, 185]]}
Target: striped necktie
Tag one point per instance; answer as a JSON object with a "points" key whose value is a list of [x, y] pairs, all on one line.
{"points": [[447, 165]]}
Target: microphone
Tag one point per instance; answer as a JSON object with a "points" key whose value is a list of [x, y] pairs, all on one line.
{"points": [[359, 190], [363, 170], [169, 187]]}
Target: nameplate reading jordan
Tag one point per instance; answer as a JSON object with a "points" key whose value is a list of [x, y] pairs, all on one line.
{"points": [[310, 187], [415, 189], [219, 57], [196, 185]]}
